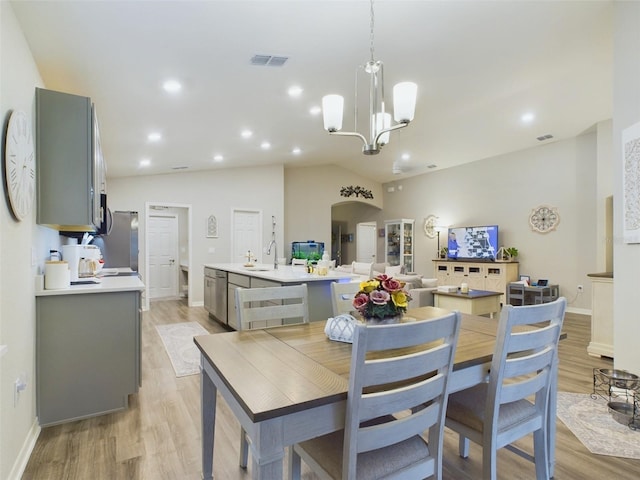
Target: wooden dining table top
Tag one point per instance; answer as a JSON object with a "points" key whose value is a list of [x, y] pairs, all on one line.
{"points": [[281, 370]]}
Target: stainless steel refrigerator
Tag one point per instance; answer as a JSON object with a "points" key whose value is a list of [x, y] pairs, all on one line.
{"points": [[120, 245]]}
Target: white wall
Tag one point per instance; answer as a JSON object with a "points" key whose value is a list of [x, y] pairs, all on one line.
{"points": [[310, 193], [18, 428], [503, 190], [209, 193], [626, 112]]}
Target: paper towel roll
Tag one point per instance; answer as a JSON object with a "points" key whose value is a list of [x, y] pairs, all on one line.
{"points": [[56, 275]]}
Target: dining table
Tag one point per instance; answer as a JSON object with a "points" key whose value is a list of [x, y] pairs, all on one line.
{"points": [[288, 384]]}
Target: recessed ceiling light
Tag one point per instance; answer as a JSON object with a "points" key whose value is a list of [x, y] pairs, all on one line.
{"points": [[154, 137], [172, 86], [315, 110], [145, 162], [218, 158], [296, 151], [527, 117], [405, 156], [265, 145], [295, 91], [246, 133]]}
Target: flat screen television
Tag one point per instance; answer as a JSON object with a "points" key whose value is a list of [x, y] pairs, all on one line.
{"points": [[473, 243]]}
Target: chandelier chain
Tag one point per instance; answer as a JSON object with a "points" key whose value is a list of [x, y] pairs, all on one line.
{"points": [[371, 25]]}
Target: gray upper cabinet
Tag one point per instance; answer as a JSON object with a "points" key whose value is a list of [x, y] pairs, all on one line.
{"points": [[66, 162]]}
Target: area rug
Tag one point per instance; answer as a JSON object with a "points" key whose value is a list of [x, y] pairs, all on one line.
{"points": [[178, 342], [590, 421]]}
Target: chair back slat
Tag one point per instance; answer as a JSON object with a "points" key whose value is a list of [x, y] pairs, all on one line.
{"points": [[525, 388], [403, 397], [403, 367], [528, 364], [528, 340], [379, 435]]}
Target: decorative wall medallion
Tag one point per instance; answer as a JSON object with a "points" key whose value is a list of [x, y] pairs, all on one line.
{"points": [[430, 226], [544, 218]]}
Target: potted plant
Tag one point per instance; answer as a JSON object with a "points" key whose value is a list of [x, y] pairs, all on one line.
{"points": [[512, 252], [443, 252]]}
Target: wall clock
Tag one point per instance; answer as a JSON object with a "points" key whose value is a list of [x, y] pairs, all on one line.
{"points": [[20, 165], [544, 218]]}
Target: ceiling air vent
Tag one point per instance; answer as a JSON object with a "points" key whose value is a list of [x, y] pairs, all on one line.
{"points": [[542, 138], [268, 60], [179, 168], [433, 165]]}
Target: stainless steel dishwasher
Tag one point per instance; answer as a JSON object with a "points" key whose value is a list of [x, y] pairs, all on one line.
{"points": [[215, 294]]}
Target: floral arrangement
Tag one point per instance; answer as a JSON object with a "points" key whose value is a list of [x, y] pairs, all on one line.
{"points": [[381, 297]]}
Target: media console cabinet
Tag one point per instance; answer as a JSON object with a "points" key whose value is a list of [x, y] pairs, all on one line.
{"points": [[492, 276]]}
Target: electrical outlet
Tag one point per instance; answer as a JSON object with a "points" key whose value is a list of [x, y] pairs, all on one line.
{"points": [[20, 386], [580, 288]]}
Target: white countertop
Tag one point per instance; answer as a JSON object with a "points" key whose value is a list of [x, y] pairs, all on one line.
{"points": [[284, 273], [107, 284]]}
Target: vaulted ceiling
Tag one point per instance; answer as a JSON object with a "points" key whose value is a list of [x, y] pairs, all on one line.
{"points": [[479, 65]]}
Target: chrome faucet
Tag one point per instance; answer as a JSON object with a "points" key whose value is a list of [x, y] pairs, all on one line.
{"points": [[273, 243]]}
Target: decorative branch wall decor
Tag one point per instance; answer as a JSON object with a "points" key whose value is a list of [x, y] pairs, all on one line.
{"points": [[357, 191]]}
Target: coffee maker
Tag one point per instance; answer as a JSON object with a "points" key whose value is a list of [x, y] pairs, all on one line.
{"points": [[83, 261]]}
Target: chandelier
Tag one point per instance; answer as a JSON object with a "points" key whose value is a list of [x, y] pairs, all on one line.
{"points": [[404, 105]]}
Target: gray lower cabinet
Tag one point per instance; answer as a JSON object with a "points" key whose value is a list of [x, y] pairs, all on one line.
{"points": [[87, 354]]}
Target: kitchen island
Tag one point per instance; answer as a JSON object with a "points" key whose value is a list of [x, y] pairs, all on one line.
{"points": [[87, 348], [262, 275]]}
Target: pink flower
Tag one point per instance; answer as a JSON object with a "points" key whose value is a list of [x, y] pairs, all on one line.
{"points": [[391, 284], [379, 297], [360, 301]]}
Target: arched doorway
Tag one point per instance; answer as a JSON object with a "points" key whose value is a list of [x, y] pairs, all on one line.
{"points": [[345, 216]]}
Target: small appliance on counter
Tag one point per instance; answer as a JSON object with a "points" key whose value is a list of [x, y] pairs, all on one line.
{"points": [[84, 262], [56, 275]]}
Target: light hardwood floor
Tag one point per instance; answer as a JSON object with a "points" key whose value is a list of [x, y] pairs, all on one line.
{"points": [[158, 437]]}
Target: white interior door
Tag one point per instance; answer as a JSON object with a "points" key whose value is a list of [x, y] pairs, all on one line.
{"points": [[163, 256], [366, 244], [246, 234]]}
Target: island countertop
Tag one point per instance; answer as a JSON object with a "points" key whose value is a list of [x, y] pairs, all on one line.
{"points": [[107, 284], [283, 274]]}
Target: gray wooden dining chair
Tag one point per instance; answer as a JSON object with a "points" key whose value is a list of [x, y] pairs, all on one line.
{"points": [[515, 401], [270, 306], [265, 307], [342, 295], [397, 392]]}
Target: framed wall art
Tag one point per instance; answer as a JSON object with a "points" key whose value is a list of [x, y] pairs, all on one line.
{"points": [[631, 184], [212, 227]]}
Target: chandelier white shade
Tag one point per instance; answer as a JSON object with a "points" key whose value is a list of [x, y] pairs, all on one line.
{"points": [[380, 127], [404, 101], [332, 106]]}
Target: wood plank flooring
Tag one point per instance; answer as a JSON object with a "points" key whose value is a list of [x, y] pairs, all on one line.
{"points": [[158, 437]]}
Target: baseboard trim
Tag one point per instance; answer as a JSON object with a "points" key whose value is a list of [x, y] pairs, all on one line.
{"points": [[20, 464], [581, 311]]}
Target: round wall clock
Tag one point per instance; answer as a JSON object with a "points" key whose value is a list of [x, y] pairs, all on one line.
{"points": [[20, 165], [544, 218]]}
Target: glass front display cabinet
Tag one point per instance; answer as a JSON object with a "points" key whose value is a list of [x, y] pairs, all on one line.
{"points": [[398, 236]]}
